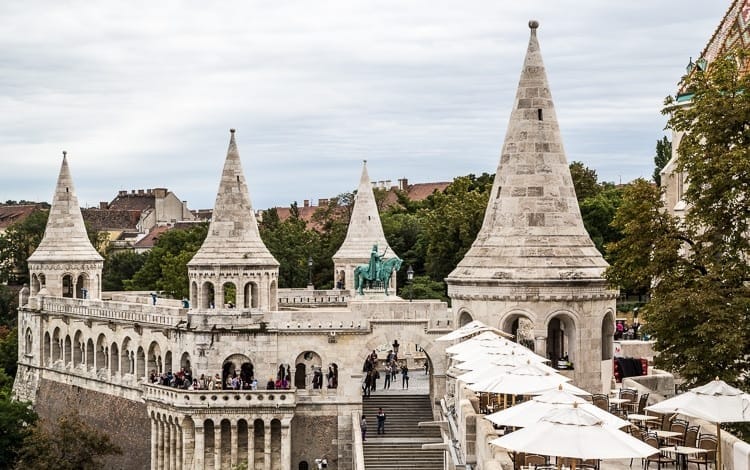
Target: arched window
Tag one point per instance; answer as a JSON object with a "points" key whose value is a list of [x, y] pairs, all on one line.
{"points": [[608, 332], [230, 295], [561, 340], [154, 359], [207, 295], [90, 354], [237, 365], [140, 361], [34, 284], [102, 353], [82, 287], [114, 363], [78, 348], [185, 362], [29, 342], [68, 351], [67, 286], [251, 295], [464, 318], [47, 349], [56, 349], [309, 364]]}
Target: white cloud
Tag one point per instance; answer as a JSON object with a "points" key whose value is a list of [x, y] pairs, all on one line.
{"points": [[142, 93]]}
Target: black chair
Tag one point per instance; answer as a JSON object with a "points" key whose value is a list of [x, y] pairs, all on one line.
{"points": [[656, 457], [691, 436], [680, 426], [642, 402], [632, 396], [708, 442], [600, 400], [536, 460]]}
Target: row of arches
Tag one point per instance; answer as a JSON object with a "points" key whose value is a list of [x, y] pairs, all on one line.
{"points": [[307, 372], [74, 286], [102, 355], [219, 442], [247, 295]]}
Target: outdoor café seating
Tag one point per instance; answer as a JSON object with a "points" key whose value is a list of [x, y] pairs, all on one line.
{"points": [[657, 457], [691, 436], [679, 426]]}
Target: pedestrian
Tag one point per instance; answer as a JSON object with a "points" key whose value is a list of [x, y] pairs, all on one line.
{"points": [[363, 428], [368, 384], [426, 367], [381, 421], [375, 377], [387, 379], [394, 371], [153, 298], [404, 376]]}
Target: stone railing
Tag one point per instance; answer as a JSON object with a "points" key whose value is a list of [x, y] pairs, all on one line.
{"points": [[136, 313], [358, 454], [220, 398], [312, 297]]}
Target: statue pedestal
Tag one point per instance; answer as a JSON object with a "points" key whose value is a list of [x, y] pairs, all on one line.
{"points": [[373, 295]]}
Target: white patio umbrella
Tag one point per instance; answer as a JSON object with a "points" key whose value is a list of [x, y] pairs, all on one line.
{"points": [[574, 433], [531, 412], [468, 329], [715, 401], [489, 354], [486, 338], [493, 366], [527, 379]]}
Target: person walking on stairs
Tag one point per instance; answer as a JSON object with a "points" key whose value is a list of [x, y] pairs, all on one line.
{"points": [[381, 421], [404, 376], [363, 428]]}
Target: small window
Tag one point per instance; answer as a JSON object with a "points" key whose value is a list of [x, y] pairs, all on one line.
{"points": [[539, 114]]}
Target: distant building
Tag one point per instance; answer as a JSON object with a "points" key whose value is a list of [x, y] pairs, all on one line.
{"points": [[15, 213]]}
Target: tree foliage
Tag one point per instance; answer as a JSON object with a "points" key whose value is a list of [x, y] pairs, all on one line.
{"points": [[585, 181], [292, 244], [70, 445], [16, 421], [662, 157], [119, 266], [698, 267], [18, 243], [165, 268]]}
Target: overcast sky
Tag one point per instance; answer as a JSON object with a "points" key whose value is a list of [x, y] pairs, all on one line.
{"points": [[142, 94]]}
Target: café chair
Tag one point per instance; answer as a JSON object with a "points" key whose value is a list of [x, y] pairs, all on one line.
{"points": [[708, 442], [656, 457], [691, 436]]}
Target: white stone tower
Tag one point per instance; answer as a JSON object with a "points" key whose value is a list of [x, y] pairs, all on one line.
{"points": [[233, 267], [533, 260], [65, 264], [365, 230]]}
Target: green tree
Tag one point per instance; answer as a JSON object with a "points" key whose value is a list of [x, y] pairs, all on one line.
{"points": [[16, 421], [585, 181], [120, 266], [663, 154], [8, 305], [165, 268], [698, 268], [71, 445], [422, 287], [291, 243], [597, 212], [452, 221], [9, 350], [18, 243]]}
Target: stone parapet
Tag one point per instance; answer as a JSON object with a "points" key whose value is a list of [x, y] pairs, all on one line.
{"points": [[222, 399], [549, 291], [115, 311]]}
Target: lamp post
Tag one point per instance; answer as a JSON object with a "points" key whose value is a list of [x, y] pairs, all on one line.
{"points": [[409, 279], [309, 272]]}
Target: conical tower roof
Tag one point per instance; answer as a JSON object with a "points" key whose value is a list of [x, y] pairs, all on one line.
{"points": [[532, 228], [365, 229], [65, 238], [233, 236]]}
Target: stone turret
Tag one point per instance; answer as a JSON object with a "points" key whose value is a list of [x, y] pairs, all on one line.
{"points": [[533, 260], [233, 267], [65, 264], [365, 230]]}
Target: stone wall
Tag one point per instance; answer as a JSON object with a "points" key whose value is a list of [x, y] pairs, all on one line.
{"points": [[314, 437], [125, 421]]}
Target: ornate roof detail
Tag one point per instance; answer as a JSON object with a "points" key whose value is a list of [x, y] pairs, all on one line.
{"points": [[65, 238], [532, 229], [233, 236], [365, 229]]}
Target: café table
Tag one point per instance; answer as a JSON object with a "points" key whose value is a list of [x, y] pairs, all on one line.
{"points": [[681, 453], [641, 420], [664, 435], [618, 402]]}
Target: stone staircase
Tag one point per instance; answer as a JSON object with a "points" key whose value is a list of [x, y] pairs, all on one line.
{"points": [[400, 448]]}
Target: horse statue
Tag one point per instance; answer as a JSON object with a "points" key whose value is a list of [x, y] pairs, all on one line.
{"points": [[385, 271]]}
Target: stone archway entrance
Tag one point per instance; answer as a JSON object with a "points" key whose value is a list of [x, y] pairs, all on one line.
{"points": [[239, 365]]}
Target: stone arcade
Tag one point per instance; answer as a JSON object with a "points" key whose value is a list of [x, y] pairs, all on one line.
{"points": [[532, 268]]}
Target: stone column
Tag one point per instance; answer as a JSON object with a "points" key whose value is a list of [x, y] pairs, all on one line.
{"points": [[154, 444], [267, 445], [160, 443], [540, 344], [178, 446], [217, 444], [172, 447], [233, 443], [199, 447], [168, 445], [286, 444]]}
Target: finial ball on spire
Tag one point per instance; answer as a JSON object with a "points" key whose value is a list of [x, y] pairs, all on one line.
{"points": [[231, 130], [65, 153], [533, 24]]}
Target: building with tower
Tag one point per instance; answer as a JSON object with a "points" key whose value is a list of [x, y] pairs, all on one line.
{"points": [[117, 357]]}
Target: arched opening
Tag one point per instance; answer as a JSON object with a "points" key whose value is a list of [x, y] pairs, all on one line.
{"points": [[207, 295], [126, 365], [259, 433], [226, 443], [251, 295], [242, 429], [68, 351], [56, 350], [332, 377], [29, 343], [464, 318], [67, 286], [82, 287], [155, 359], [312, 366], [561, 340], [275, 444], [47, 349], [167, 362], [42, 281], [521, 327], [230, 295], [90, 354], [101, 353], [140, 361], [238, 367], [34, 284], [188, 430], [194, 294], [608, 332], [340, 281], [272, 295], [114, 353], [303, 465], [284, 376], [185, 363], [78, 349], [209, 442]]}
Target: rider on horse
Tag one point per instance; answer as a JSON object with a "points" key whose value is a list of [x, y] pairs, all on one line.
{"points": [[375, 258]]}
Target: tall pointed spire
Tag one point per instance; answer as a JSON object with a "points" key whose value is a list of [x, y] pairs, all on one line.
{"points": [[365, 230], [532, 228], [233, 236], [65, 237]]}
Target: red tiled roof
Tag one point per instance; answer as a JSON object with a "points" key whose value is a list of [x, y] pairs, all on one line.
{"points": [[152, 237], [130, 201], [111, 219], [10, 215]]}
